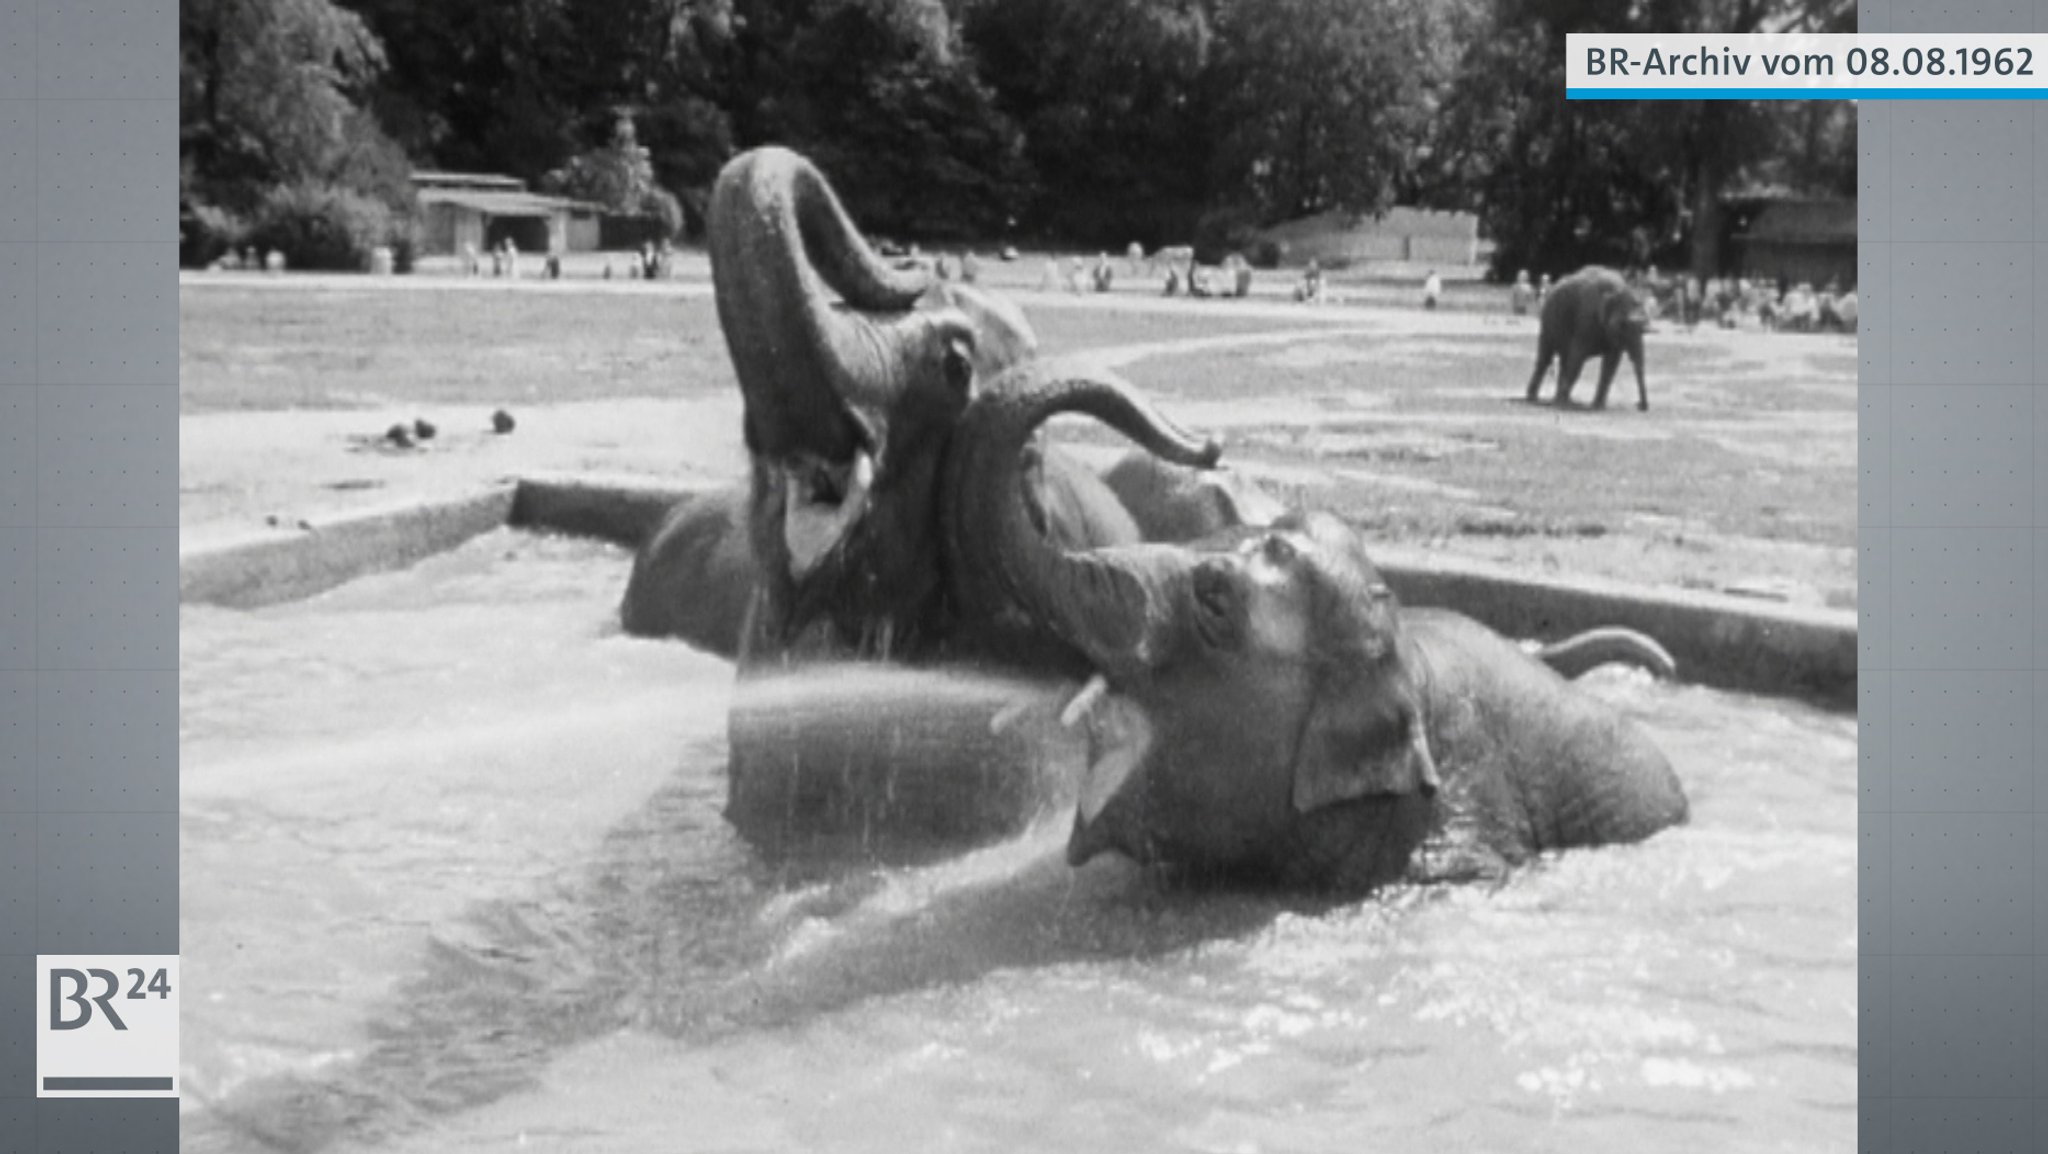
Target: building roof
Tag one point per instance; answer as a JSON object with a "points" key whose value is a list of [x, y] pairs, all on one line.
{"points": [[1800, 221], [471, 180], [520, 203], [1400, 220]]}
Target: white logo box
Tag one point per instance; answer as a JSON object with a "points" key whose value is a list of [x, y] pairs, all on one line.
{"points": [[107, 1025]]}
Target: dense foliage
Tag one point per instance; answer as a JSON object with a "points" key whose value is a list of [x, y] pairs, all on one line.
{"points": [[1088, 121]]}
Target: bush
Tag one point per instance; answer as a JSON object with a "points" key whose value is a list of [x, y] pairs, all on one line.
{"points": [[322, 228], [1225, 230], [206, 233], [661, 205]]}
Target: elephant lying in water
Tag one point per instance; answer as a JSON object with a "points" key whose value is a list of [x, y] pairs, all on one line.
{"points": [[1264, 707]]}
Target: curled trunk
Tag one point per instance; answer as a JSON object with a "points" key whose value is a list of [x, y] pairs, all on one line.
{"points": [[812, 374], [1107, 603]]}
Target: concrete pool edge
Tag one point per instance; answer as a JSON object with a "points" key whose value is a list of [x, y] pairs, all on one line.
{"points": [[1719, 640], [274, 565]]}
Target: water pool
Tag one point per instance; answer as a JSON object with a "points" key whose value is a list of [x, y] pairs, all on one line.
{"points": [[454, 877]]}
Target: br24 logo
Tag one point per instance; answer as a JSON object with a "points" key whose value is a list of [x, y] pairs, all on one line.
{"points": [[81, 982]]}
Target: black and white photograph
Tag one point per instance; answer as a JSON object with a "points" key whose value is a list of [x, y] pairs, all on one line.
{"points": [[900, 575]]}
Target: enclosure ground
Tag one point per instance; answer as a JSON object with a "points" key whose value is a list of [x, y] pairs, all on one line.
{"points": [[1742, 475]]}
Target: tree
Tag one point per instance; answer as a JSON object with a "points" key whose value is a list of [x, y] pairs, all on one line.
{"points": [[479, 86], [1559, 184], [265, 92], [1323, 103], [1110, 97], [888, 104], [619, 176]]}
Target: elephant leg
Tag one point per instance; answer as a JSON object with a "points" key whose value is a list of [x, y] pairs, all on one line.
{"points": [[1568, 374], [1609, 362], [1545, 353]]}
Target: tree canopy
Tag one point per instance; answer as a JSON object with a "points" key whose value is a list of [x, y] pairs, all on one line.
{"points": [[1089, 121]]}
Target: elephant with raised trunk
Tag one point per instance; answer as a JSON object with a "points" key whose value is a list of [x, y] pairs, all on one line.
{"points": [[1263, 707], [850, 406], [847, 406], [1591, 313]]}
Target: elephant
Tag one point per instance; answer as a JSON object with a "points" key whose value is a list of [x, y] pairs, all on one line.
{"points": [[1590, 313], [849, 409], [1262, 707], [694, 575]]}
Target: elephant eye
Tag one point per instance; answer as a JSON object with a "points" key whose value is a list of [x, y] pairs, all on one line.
{"points": [[1279, 550], [1217, 605]]}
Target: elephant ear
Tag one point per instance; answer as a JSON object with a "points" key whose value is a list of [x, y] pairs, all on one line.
{"points": [[1620, 312], [1364, 739]]}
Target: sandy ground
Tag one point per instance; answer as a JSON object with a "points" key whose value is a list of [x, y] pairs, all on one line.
{"points": [[245, 470], [266, 471]]}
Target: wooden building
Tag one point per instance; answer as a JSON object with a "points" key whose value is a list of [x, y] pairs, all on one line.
{"points": [[1399, 235], [461, 210], [1792, 239]]}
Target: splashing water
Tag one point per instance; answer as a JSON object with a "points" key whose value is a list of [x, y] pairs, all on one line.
{"points": [[456, 875]]}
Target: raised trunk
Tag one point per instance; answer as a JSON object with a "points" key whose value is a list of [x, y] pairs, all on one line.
{"points": [[779, 239], [1105, 603]]}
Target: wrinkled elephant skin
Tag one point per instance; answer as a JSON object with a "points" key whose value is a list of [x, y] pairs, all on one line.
{"points": [[1263, 707]]}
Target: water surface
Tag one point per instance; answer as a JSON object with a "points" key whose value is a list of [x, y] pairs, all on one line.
{"points": [[454, 878]]}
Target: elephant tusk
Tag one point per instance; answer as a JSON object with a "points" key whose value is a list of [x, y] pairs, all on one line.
{"points": [[1084, 702], [1006, 717]]}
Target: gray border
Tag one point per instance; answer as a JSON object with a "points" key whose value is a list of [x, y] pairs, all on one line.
{"points": [[1953, 906], [1953, 693], [88, 523]]}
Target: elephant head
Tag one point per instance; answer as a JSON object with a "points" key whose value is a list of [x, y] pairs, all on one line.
{"points": [[848, 402], [1625, 319], [1247, 683]]}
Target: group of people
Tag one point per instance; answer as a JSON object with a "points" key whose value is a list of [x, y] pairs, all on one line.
{"points": [[1075, 278], [504, 259], [1233, 278], [1735, 302], [1311, 289], [248, 260], [1725, 302], [653, 262]]}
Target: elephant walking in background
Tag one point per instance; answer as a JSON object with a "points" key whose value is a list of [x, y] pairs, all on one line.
{"points": [[1591, 313], [1263, 707]]}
